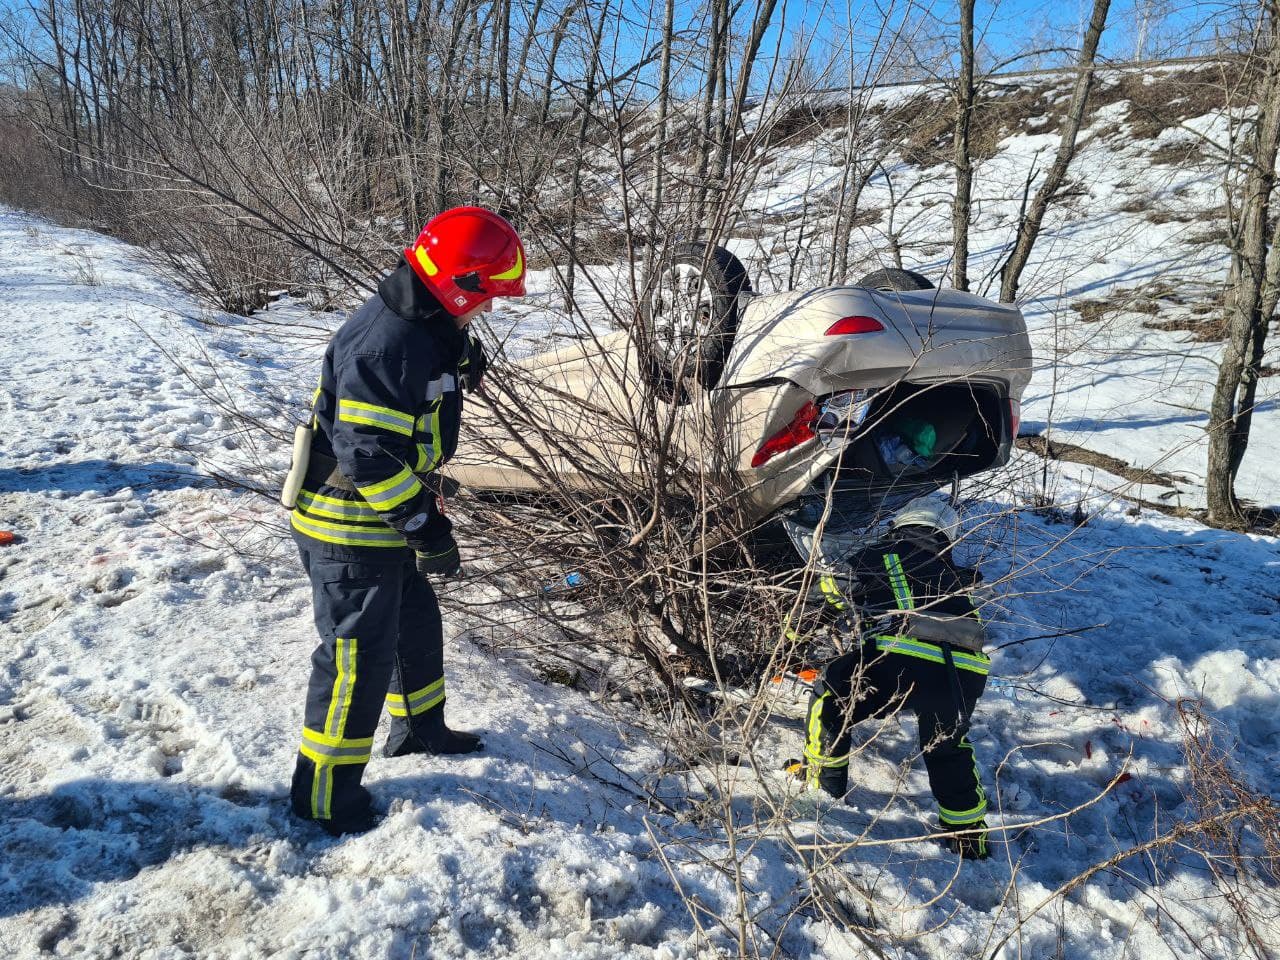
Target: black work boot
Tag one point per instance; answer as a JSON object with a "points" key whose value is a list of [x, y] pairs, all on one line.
{"points": [[357, 814], [361, 822], [428, 733]]}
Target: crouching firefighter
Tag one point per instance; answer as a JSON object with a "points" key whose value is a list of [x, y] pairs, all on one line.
{"points": [[920, 649], [365, 513]]}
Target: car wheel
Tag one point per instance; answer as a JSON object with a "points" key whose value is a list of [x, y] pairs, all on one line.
{"points": [[690, 316], [892, 279]]}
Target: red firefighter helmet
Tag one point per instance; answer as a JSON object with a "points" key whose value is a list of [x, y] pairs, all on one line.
{"points": [[467, 256]]}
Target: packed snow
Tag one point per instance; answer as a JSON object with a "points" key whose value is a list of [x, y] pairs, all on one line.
{"points": [[158, 631]]}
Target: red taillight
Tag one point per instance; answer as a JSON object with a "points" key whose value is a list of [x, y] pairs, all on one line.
{"points": [[1015, 418], [854, 325], [792, 435]]}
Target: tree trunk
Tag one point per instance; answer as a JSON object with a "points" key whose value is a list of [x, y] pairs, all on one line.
{"points": [[962, 205], [588, 100], [708, 132], [660, 141], [1234, 395], [1029, 228]]}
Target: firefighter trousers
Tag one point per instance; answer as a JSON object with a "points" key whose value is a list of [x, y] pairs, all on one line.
{"points": [[871, 683], [381, 642]]}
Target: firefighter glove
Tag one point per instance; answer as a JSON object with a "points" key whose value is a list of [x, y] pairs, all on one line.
{"points": [[439, 559], [967, 839]]}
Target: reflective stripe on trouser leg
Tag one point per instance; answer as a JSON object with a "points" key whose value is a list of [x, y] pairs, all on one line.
{"points": [[978, 810], [357, 616], [417, 685], [335, 725], [416, 701], [815, 755], [949, 757], [827, 729]]}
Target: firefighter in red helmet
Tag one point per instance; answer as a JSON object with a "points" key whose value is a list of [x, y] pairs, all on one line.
{"points": [[365, 510]]}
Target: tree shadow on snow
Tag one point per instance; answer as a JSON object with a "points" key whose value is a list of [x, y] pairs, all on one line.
{"points": [[100, 476], [58, 847]]}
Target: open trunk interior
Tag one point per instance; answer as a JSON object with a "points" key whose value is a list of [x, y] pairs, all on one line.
{"points": [[925, 435], [939, 433]]}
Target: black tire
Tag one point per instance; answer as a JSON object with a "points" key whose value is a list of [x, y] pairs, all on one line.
{"points": [[688, 332], [892, 279]]}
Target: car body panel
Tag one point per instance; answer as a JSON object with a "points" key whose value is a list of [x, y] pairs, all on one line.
{"points": [[595, 392]]}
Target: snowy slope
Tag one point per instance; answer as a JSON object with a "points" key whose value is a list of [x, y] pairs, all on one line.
{"points": [[1141, 232], [156, 631]]}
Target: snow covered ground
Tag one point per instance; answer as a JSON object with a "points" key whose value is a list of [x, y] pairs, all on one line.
{"points": [[156, 632], [156, 651]]}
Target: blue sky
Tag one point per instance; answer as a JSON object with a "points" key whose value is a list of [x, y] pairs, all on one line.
{"points": [[1006, 30]]}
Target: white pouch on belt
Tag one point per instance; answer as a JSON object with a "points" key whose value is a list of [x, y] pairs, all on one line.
{"points": [[298, 469]]}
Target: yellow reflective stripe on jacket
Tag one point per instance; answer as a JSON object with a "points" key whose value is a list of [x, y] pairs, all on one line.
{"points": [[335, 508], [370, 414], [430, 423], [419, 701], [392, 492], [345, 534], [831, 591], [923, 650], [425, 459]]}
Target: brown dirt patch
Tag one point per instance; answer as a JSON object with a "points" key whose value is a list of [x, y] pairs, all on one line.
{"points": [[1255, 520], [1057, 450], [1212, 329]]}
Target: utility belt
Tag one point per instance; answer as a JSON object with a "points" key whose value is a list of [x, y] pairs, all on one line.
{"points": [[940, 653], [962, 632], [311, 469], [322, 471]]}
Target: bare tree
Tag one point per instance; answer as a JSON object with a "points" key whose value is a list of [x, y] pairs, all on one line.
{"points": [[961, 208], [1251, 294], [1049, 191]]}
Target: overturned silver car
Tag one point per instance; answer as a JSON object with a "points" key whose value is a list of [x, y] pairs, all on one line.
{"points": [[863, 396]]}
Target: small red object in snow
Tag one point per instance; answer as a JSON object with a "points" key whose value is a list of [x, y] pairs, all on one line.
{"points": [[6, 538], [1088, 749], [1124, 778]]}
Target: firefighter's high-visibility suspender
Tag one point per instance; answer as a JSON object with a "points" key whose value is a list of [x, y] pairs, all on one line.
{"points": [[902, 593]]}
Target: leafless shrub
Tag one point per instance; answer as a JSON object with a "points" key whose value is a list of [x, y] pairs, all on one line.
{"points": [[85, 267]]}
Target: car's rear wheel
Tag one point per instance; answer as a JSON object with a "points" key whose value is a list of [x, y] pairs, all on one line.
{"points": [[893, 279], [690, 316]]}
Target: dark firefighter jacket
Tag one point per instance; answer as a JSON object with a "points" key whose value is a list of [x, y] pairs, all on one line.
{"points": [[386, 414], [915, 598]]}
